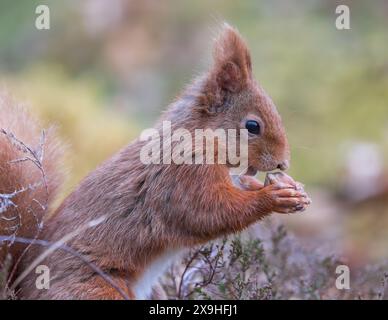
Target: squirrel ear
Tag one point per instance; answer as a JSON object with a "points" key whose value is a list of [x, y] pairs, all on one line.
{"points": [[232, 61]]}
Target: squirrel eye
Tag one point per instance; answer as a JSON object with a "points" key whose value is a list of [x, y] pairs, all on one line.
{"points": [[252, 126]]}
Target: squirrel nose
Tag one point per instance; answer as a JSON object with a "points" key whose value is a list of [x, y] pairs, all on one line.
{"points": [[284, 165]]}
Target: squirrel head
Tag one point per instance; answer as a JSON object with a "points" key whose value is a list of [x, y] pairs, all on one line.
{"points": [[230, 98]]}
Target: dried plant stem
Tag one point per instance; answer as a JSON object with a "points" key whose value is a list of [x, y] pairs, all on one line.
{"points": [[54, 246], [36, 157], [60, 245], [187, 267]]}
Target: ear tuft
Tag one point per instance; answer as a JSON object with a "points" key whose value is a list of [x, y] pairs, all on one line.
{"points": [[229, 77], [232, 61]]}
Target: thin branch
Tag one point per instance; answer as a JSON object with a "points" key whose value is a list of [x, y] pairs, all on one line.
{"points": [[55, 246], [36, 157], [73, 252], [193, 257]]}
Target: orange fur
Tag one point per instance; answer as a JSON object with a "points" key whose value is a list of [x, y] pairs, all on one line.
{"points": [[156, 209], [15, 176]]}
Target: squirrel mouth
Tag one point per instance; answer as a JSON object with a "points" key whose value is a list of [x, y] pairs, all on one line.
{"points": [[247, 180], [251, 171]]}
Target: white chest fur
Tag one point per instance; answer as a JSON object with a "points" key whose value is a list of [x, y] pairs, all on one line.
{"points": [[143, 287]]}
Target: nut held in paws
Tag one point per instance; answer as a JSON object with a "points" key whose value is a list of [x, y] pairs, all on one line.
{"points": [[276, 177]]}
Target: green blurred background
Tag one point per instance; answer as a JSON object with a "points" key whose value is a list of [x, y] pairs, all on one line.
{"points": [[106, 69]]}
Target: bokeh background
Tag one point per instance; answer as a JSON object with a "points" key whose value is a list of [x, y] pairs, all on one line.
{"points": [[106, 69]]}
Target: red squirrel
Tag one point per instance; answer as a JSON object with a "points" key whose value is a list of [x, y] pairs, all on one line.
{"points": [[154, 212]]}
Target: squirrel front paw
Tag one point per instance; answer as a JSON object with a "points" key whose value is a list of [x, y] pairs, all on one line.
{"points": [[285, 198], [297, 198], [280, 192]]}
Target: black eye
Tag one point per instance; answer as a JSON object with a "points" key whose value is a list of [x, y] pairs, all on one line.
{"points": [[252, 126]]}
